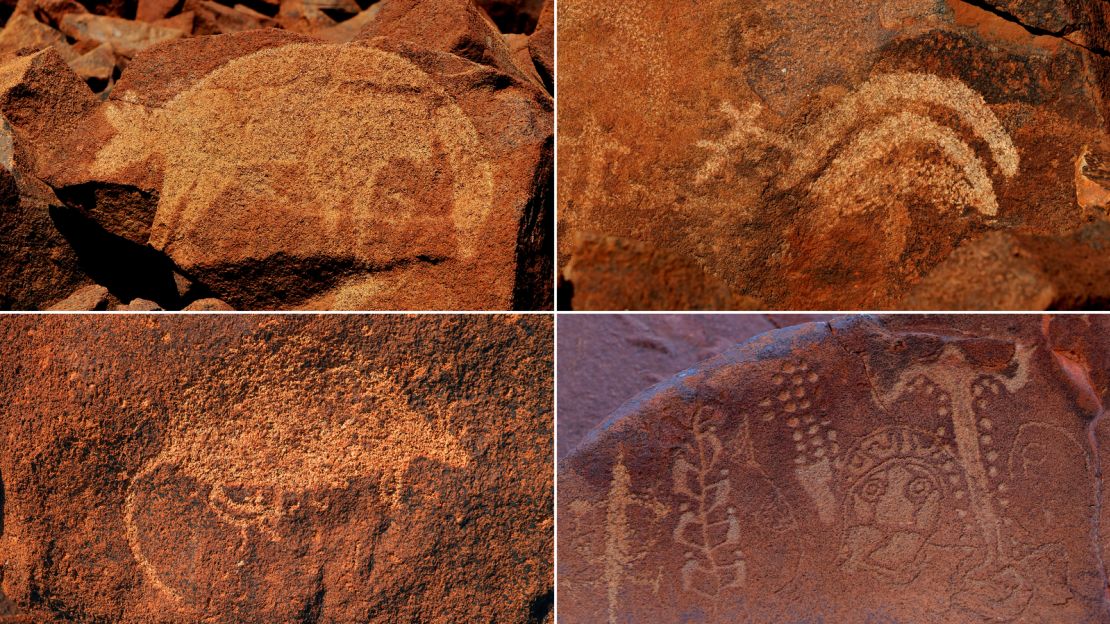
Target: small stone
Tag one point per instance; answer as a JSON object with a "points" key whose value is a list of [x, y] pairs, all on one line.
{"points": [[208, 305], [85, 299]]}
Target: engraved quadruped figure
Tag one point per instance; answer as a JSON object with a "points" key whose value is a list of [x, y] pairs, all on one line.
{"points": [[224, 496]]}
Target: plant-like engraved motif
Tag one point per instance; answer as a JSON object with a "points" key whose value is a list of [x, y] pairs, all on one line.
{"points": [[708, 526], [842, 159]]}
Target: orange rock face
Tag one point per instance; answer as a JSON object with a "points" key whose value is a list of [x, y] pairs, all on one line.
{"points": [[399, 159], [277, 469], [828, 157], [902, 469]]}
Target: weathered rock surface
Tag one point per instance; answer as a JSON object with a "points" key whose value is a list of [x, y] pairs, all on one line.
{"points": [[40, 100], [827, 157], [606, 273], [904, 469], [277, 469], [276, 170], [1007, 271], [606, 359]]}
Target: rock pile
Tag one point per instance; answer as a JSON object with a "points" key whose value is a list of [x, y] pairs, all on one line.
{"points": [[277, 469], [904, 469], [828, 156], [277, 155]]}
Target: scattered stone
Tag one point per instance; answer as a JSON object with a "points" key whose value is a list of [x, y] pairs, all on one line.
{"points": [[85, 299], [97, 66], [456, 26], [607, 359], [899, 469], [347, 30], [541, 44], [154, 10], [276, 469], [40, 101], [827, 158], [617, 274], [126, 37], [22, 34], [211, 18], [208, 305]]}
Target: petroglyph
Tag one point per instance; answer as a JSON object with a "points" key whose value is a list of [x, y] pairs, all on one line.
{"points": [[619, 552], [901, 488], [744, 132], [248, 464], [891, 90], [953, 374], [816, 441], [350, 195], [851, 182], [708, 527], [597, 151]]}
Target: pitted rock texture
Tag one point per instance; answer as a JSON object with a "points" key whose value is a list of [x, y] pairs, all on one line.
{"points": [[278, 469], [606, 359], [827, 157], [403, 161], [903, 469]]}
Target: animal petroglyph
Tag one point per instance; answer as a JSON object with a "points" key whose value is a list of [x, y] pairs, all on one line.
{"points": [[849, 181], [360, 192], [597, 150], [709, 526], [249, 464]]}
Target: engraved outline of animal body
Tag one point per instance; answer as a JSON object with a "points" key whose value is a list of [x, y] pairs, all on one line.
{"points": [[835, 127], [699, 477], [408, 437]]}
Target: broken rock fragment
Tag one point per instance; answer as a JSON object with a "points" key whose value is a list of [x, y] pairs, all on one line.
{"points": [[420, 188], [85, 299], [40, 101], [126, 37]]}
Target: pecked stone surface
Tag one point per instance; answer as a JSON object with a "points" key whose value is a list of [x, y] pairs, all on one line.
{"points": [[903, 469], [412, 192], [827, 157], [321, 154], [277, 469], [606, 359]]}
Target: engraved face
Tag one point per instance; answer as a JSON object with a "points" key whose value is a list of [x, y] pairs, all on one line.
{"points": [[899, 483]]}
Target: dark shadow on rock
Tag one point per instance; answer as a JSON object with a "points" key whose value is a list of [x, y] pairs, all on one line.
{"points": [[541, 606], [532, 286], [127, 269]]}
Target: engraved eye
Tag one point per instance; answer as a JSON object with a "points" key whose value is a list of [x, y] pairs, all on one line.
{"points": [[919, 489], [873, 489]]}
